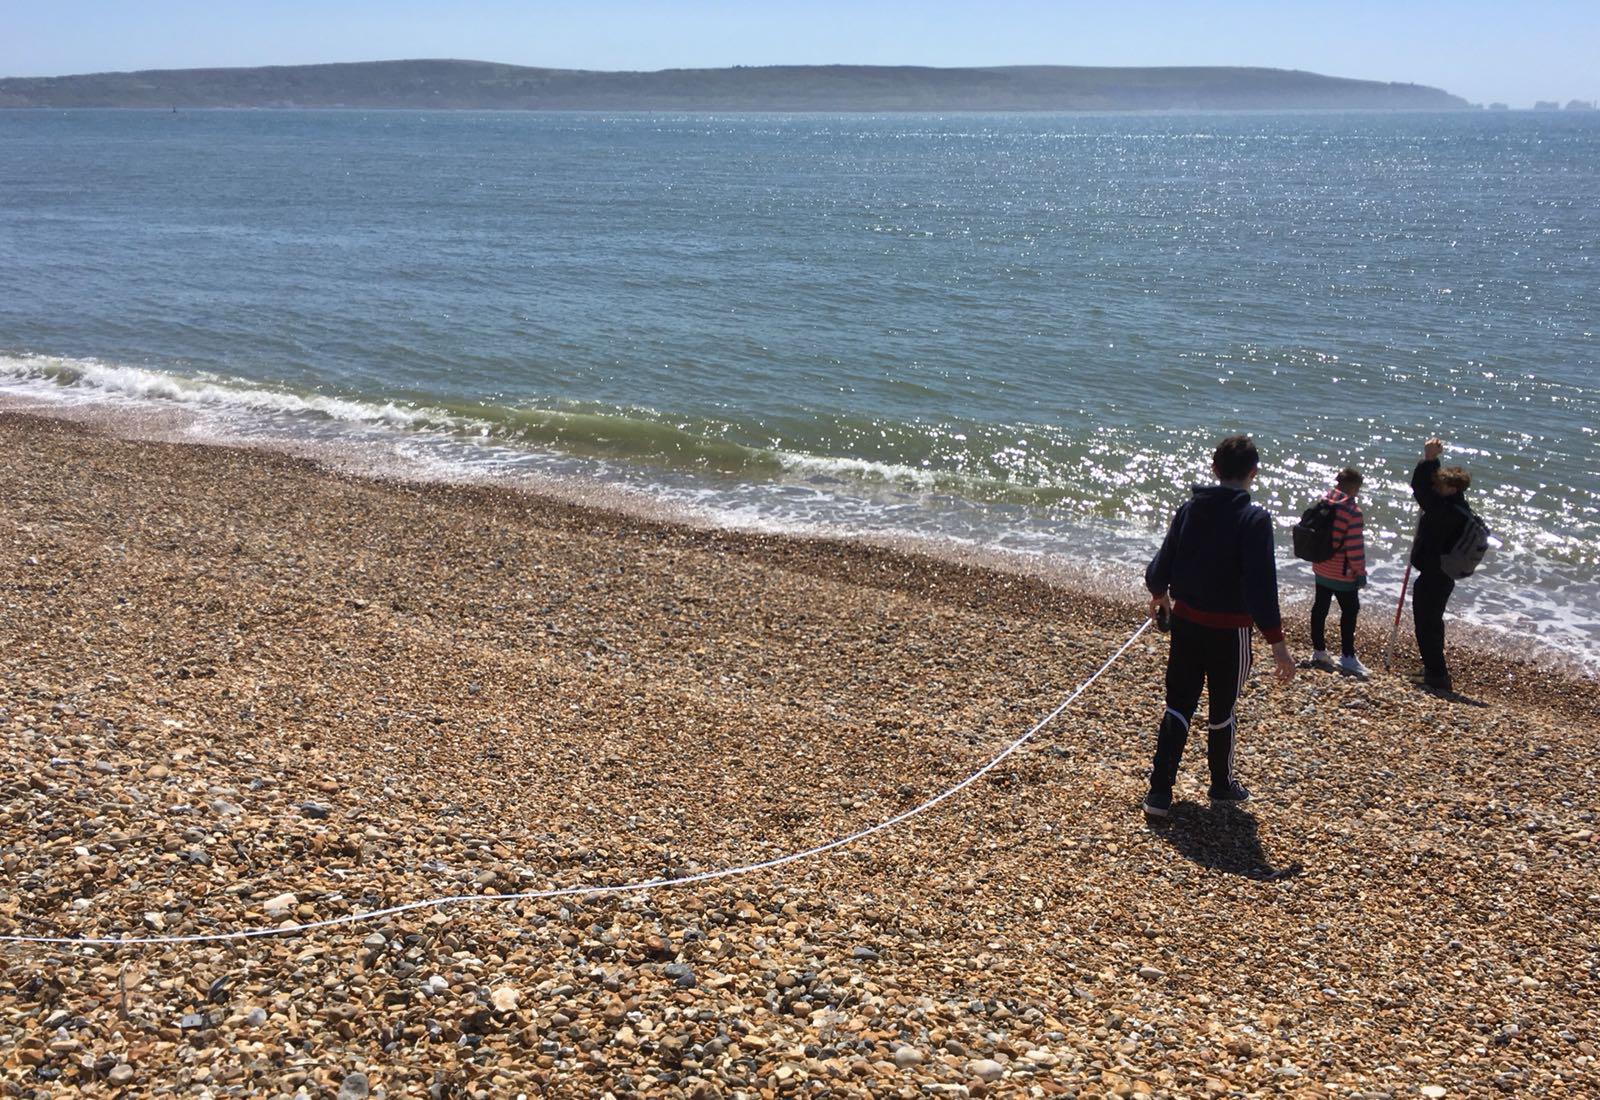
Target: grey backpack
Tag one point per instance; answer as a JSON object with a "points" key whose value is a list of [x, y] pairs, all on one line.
{"points": [[1461, 558]]}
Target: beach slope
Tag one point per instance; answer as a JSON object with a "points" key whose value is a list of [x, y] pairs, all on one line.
{"points": [[239, 690]]}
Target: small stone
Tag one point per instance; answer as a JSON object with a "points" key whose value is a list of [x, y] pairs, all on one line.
{"points": [[505, 999], [1433, 1092], [120, 1074], [906, 1057], [986, 1070], [864, 953], [316, 811], [682, 974], [192, 1021], [353, 1087], [256, 1017], [280, 905], [1152, 973]]}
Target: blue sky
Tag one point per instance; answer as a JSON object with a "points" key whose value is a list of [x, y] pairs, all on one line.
{"points": [[1541, 49]]}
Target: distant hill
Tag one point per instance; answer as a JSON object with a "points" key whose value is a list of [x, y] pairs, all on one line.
{"points": [[485, 85]]}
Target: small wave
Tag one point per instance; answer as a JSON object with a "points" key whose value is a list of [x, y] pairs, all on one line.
{"points": [[613, 435], [590, 433], [633, 435], [842, 468], [209, 391]]}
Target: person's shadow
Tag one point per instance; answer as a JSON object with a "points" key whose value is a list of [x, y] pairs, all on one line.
{"points": [[1221, 838], [1456, 697]]}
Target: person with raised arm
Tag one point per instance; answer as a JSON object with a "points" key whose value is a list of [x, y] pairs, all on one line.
{"points": [[1214, 576], [1441, 493]]}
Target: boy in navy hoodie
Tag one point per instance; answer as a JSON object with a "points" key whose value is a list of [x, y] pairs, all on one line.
{"points": [[1215, 575]]}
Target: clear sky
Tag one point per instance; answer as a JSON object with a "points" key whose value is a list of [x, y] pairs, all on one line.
{"points": [[1485, 50]]}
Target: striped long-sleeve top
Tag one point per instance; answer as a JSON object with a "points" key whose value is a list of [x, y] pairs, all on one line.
{"points": [[1348, 566]]}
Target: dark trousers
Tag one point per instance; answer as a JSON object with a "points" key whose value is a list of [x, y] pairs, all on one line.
{"points": [[1428, 597], [1218, 660], [1349, 605]]}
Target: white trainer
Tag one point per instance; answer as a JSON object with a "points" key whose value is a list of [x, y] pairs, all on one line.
{"points": [[1354, 667], [1320, 659]]}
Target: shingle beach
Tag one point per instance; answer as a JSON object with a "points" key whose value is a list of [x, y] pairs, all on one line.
{"points": [[239, 689]]}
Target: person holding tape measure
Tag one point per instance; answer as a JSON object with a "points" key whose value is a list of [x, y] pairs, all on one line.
{"points": [[1451, 541], [1213, 577]]}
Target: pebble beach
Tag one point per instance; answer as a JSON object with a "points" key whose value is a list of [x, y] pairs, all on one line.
{"points": [[240, 690]]}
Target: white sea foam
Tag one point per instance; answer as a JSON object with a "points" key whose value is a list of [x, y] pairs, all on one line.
{"points": [[91, 380], [827, 466]]}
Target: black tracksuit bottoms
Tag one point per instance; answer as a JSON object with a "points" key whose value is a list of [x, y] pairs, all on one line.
{"points": [[1349, 608], [1214, 658], [1428, 597]]}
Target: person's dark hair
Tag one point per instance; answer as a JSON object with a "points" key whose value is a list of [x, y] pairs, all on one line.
{"points": [[1348, 478], [1235, 457], [1453, 477]]}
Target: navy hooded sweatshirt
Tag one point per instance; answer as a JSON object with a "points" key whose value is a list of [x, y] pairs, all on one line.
{"points": [[1217, 561]]}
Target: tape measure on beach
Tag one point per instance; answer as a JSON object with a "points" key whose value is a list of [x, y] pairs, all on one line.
{"points": [[592, 891]]}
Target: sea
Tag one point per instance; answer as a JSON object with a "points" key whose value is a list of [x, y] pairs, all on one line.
{"points": [[1009, 336]]}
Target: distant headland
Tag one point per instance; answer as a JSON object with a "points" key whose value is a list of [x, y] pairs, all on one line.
{"points": [[486, 85]]}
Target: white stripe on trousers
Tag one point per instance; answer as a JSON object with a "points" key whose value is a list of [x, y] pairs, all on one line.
{"points": [[1232, 719]]}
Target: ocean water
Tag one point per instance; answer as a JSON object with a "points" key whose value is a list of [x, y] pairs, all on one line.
{"points": [[1016, 333]]}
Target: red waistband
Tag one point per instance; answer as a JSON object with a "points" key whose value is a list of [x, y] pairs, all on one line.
{"points": [[1221, 620]]}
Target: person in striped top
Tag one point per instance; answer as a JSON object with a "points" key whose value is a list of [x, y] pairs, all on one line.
{"points": [[1341, 577]]}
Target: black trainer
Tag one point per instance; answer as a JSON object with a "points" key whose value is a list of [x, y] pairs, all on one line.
{"points": [[1158, 802], [1231, 792]]}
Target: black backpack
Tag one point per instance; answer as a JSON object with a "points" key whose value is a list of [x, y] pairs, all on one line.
{"points": [[1313, 535], [1461, 558]]}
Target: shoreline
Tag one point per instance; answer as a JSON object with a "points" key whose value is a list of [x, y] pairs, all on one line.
{"points": [[1504, 654], [230, 675]]}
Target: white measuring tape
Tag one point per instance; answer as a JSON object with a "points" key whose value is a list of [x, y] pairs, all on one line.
{"points": [[589, 891]]}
